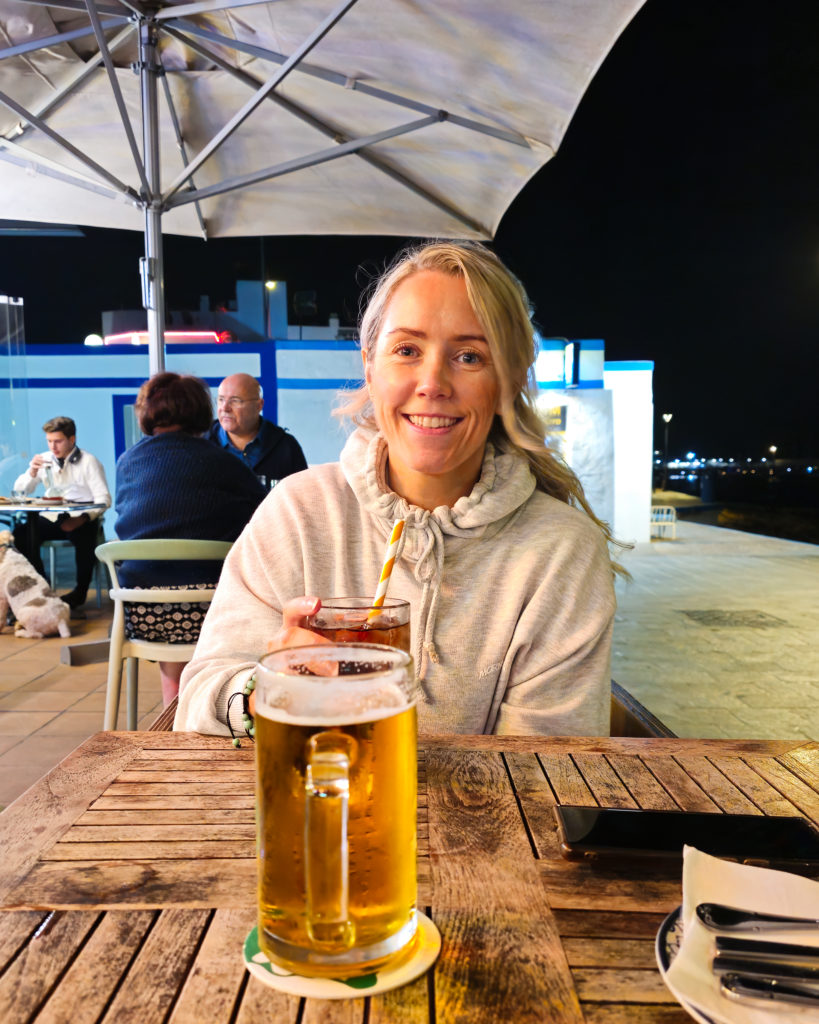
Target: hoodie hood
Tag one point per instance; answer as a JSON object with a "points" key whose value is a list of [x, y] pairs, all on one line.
{"points": [[504, 486]]}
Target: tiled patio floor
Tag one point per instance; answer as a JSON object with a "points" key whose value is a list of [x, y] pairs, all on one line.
{"points": [[47, 708]]}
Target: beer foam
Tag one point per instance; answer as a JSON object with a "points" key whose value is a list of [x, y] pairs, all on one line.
{"points": [[304, 702]]}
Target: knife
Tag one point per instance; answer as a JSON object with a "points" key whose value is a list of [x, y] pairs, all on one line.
{"points": [[741, 988], [753, 949], [770, 969], [717, 917]]}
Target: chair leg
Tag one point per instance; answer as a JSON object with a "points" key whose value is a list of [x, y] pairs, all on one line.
{"points": [[132, 685], [52, 576], [114, 684]]}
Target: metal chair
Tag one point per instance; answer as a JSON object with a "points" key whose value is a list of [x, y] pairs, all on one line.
{"points": [[129, 650], [631, 718], [663, 518]]}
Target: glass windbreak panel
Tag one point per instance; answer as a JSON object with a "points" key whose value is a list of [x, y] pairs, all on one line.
{"points": [[14, 433], [130, 426]]}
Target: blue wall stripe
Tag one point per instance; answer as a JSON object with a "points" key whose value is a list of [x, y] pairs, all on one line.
{"points": [[316, 383], [318, 346], [630, 364], [86, 382]]}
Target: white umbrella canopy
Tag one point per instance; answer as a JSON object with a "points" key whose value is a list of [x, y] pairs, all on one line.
{"points": [[224, 117]]}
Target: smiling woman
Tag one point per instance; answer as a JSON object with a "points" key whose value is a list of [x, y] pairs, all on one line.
{"points": [[504, 564]]}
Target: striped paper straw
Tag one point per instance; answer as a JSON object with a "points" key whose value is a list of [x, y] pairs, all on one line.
{"points": [[386, 571]]}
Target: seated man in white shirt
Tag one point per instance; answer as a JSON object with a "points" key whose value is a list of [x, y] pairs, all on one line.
{"points": [[67, 471]]}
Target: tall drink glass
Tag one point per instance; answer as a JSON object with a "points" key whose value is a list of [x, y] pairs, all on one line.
{"points": [[336, 740], [346, 620]]}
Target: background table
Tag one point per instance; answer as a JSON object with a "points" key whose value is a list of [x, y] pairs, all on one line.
{"points": [[128, 882]]}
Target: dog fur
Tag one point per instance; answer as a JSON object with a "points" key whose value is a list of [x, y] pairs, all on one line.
{"points": [[38, 610]]}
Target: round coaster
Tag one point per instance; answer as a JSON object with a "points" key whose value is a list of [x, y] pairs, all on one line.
{"points": [[427, 947]]}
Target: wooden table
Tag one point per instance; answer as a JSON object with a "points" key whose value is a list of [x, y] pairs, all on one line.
{"points": [[128, 880]]}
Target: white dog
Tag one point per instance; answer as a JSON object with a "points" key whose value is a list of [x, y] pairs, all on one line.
{"points": [[38, 610]]}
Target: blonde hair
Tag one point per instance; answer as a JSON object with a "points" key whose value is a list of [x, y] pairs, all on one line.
{"points": [[502, 308]]}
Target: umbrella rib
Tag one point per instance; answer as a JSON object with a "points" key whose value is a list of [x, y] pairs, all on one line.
{"points": [[55, 40], [343, 81], [118, 99], [326, 129], [77, 5], [51, 169], [180, 142], [85, 71], [298, 163], [254, 101], [183, 10], [27, 115]]}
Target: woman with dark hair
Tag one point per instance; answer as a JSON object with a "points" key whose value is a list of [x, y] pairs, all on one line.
{"points": [[175, 483], [504, 563]]}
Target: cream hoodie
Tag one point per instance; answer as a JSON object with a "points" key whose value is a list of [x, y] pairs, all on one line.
{"points": [[511, 592]]}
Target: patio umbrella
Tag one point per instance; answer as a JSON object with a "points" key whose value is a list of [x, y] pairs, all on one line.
{"points": [[239, 117]]}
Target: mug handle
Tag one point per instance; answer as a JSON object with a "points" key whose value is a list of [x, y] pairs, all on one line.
{"points": [[329, 757]]}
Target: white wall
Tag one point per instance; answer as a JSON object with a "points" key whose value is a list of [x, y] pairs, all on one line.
{"points": [[630, 384]]}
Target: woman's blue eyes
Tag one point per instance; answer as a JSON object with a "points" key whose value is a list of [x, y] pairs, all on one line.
{"points": [[470, 357]]}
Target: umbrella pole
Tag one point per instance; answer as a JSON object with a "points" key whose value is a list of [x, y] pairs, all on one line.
{"points": [[153, 271]]}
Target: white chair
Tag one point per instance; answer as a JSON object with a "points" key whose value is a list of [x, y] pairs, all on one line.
{"points": [[663, 520], [123, 648]]}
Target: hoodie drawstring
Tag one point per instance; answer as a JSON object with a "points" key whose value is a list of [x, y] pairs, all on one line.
{"points": [[429, 572]]}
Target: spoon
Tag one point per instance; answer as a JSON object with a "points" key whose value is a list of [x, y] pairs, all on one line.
{"points": [[720, 918]]}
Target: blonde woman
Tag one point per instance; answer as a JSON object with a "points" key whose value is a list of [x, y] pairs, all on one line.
{"points": [[505, 566]]}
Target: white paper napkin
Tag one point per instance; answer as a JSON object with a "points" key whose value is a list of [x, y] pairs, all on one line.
{"points": [[709, 879]]}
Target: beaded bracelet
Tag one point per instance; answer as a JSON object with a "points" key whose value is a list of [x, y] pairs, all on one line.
{"points": [[247, 718]]}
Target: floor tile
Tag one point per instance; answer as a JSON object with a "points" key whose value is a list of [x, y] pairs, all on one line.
{"points": [[23, 723]]}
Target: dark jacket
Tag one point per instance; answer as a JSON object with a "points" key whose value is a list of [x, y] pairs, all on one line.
{"points": [[177, 485], [273, 453]]}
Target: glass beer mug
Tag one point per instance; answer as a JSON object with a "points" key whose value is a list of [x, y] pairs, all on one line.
{"points": [[336, 740]]}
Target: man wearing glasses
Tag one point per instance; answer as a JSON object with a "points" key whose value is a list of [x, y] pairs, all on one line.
{"points": [[267, 449]]}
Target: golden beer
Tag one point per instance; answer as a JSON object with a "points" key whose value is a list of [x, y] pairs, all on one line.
{"points": [[336, 810]]}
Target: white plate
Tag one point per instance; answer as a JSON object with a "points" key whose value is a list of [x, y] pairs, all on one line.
{"points": [[666, 946]]}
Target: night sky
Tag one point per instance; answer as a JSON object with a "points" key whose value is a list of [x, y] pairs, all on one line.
{"points": [[679, 222]]}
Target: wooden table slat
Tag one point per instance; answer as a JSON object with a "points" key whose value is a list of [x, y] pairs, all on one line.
{"points": [[154, 831], [612, 953], [628, 986], [603, 781], [566, 780], [536, 800], [474, 823], [183, 850], [721, 789], [641, 783], [156, 976], [93, 978], [753, 784], [218, 974], [688, 794], [797, 792], [26, 983]]}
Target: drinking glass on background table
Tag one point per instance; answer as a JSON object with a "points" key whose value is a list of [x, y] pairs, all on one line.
{"points": [[347, 620], [336, 739]]}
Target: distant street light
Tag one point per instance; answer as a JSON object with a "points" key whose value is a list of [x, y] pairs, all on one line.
{"points": [[667, 417], [772, 449]]}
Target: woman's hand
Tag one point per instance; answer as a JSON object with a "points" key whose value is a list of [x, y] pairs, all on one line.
{"points": [[294, 632]]}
